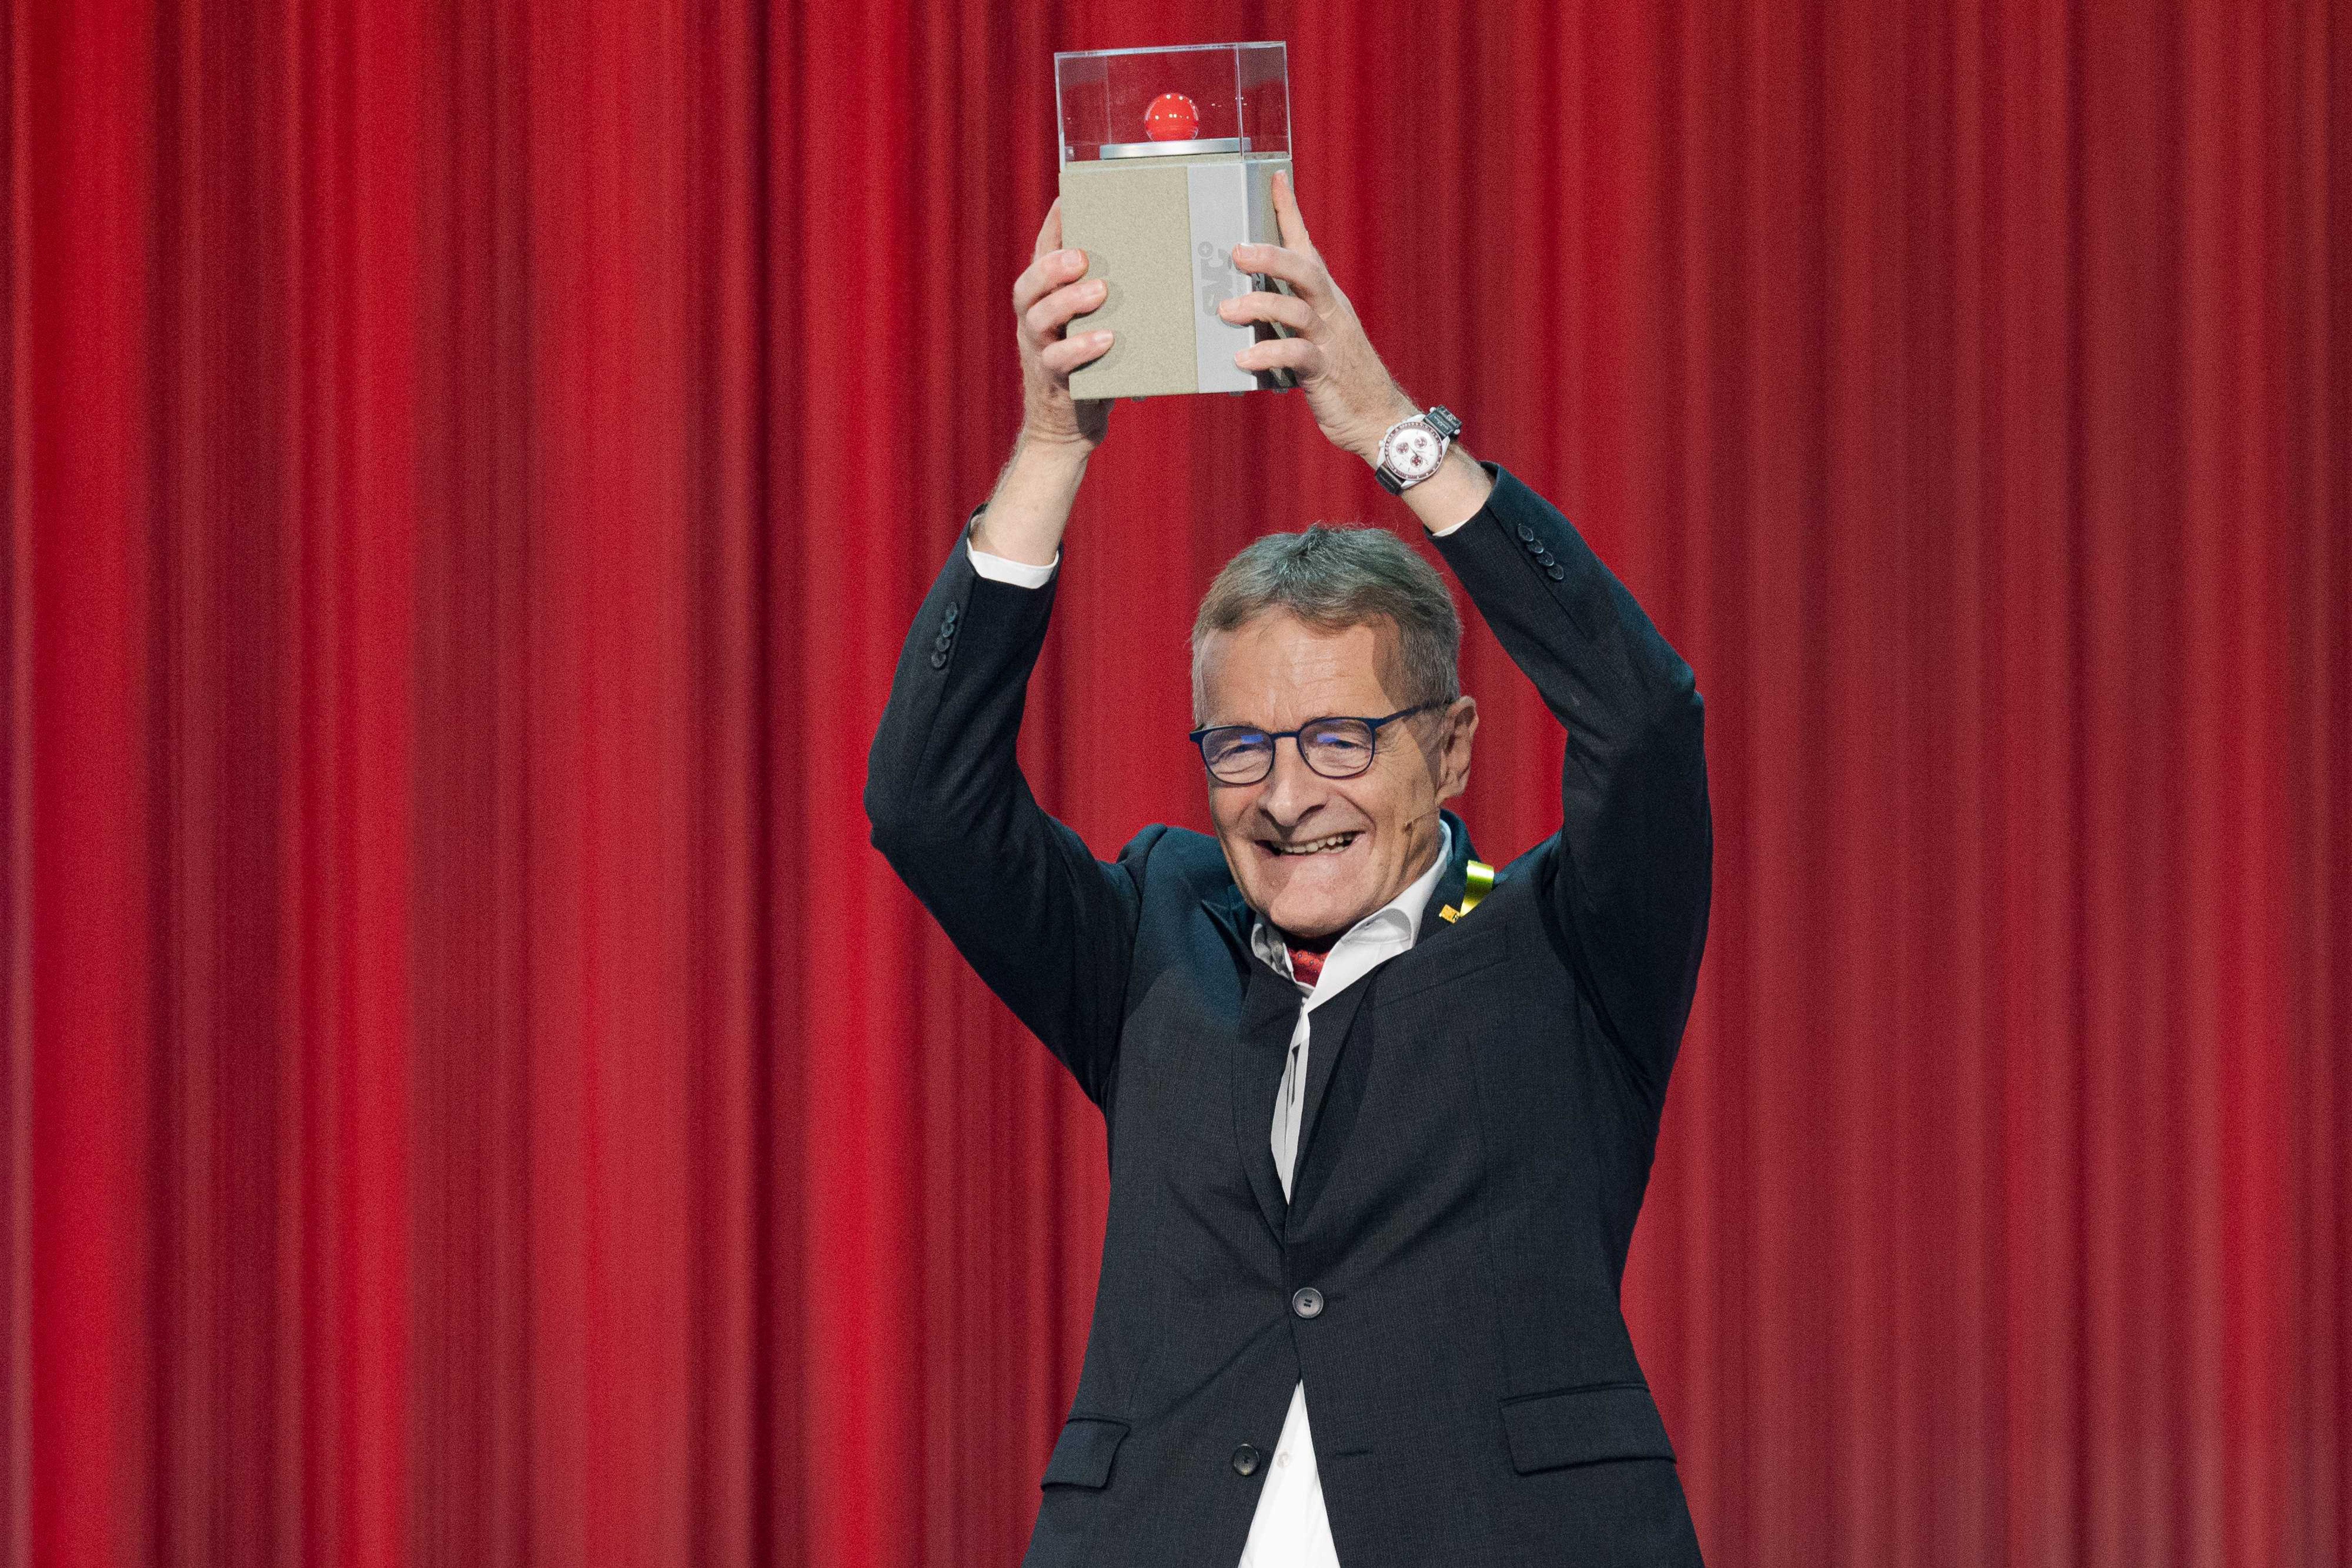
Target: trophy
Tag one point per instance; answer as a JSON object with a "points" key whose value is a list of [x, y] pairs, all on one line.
{"points": [[1168, 161]]}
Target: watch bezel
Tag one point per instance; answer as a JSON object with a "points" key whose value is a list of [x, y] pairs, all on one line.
{"points": [[1391, 446]]}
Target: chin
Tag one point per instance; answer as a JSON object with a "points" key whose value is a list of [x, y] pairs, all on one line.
{"points": [[1311, 924], [1319, 911]]}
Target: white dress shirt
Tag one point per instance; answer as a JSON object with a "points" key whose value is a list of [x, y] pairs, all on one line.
{"points": [[1291, 1529]]}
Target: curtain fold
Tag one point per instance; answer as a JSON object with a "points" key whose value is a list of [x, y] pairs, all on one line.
{"points": [[471, 1093]]}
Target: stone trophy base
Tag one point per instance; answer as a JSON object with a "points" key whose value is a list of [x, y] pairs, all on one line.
{"points": [[1160, 227]]}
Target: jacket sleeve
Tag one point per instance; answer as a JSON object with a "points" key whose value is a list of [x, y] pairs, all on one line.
{"points": [[1633, 875], [1047, 927]]}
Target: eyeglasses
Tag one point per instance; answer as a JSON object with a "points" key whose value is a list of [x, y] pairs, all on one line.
{"points": [[1335, 748]]}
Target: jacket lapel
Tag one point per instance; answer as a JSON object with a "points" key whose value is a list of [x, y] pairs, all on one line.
{"points": [[1333, 1024], [1269, 1013], [1330, 1029]]}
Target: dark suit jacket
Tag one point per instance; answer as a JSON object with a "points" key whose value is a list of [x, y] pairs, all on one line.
{"points": [[1480, 1111]]}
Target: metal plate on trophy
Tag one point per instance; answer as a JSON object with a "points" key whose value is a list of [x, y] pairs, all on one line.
{"points": [[1168, 161]]}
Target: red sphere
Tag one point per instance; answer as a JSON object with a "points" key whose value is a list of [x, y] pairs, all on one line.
{"points": [[1172, 117]]}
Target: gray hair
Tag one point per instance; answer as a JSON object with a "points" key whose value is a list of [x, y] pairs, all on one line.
{"points": [[1333, 579]]}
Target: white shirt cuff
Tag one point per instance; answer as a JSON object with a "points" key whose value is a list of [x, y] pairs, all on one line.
{"points": [[1020, 573], [1452, 527]]}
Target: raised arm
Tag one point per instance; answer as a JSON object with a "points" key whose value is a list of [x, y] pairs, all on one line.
{"points": [[1046, 925], [1636, 846], [1632, 878]]}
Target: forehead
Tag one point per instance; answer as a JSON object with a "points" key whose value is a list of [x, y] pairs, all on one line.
{"points": [[1275, 670]]}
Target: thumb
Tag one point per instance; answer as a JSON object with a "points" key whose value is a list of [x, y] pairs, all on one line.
{"points": [[1286, 215], [1049, 233]]}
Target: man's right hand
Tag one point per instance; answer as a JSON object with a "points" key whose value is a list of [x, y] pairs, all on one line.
{"points": [[1031, 505], [1053, 288]]}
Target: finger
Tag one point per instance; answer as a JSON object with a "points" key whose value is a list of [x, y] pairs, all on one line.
{"points": [[1048, 316], [1287, 213], [1049, 272], [1049, 233], [1288, 309], [1063, 355], [1300, 355], [1299, 269]]}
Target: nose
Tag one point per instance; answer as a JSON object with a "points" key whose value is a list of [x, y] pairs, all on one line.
{"points": [[1291, 788]]}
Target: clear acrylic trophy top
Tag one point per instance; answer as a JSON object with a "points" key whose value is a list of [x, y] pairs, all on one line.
{"points": [[1199, 98]]}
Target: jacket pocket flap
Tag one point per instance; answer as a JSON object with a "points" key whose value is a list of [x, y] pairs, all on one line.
{"points": [[1580, 1426], [1083, 1454]]}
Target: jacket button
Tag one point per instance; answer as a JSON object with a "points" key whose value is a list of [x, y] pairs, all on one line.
{"points": [[938, 660], [946, 636], [1245, 1461], [1525, 532], [1555, 572], [954, 611], [1535, 547], [1308, 1302]]}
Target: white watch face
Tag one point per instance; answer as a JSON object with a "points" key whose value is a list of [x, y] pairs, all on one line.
{"points": [[1413, 452]]}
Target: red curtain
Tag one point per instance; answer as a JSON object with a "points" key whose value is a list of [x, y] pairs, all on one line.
{"points": [[472, 1095]]}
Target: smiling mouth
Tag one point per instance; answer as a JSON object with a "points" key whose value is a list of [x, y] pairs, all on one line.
{"points": [[1312, 846]]}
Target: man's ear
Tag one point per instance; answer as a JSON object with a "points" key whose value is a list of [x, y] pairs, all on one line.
{"points": [[1461, 723]]}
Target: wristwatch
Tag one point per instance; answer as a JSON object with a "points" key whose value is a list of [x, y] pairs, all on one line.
{"points": [[1414, 447]]}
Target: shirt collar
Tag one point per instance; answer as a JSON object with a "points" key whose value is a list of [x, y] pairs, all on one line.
{"points": [[1399, 919]]}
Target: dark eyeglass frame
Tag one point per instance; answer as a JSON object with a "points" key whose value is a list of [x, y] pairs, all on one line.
{"points": [[1200, 738]]}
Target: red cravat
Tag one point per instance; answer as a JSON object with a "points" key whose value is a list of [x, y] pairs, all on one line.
{"points": [[1307, 965]]}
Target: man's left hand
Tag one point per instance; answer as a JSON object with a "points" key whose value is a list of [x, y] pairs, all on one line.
{"points": [[1349, 391]]}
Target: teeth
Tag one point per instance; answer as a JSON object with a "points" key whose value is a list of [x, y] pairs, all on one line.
{"points": [[1336, 842]]}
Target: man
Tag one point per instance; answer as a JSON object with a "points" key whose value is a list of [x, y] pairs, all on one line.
{"points": [[1378, 1131]]}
